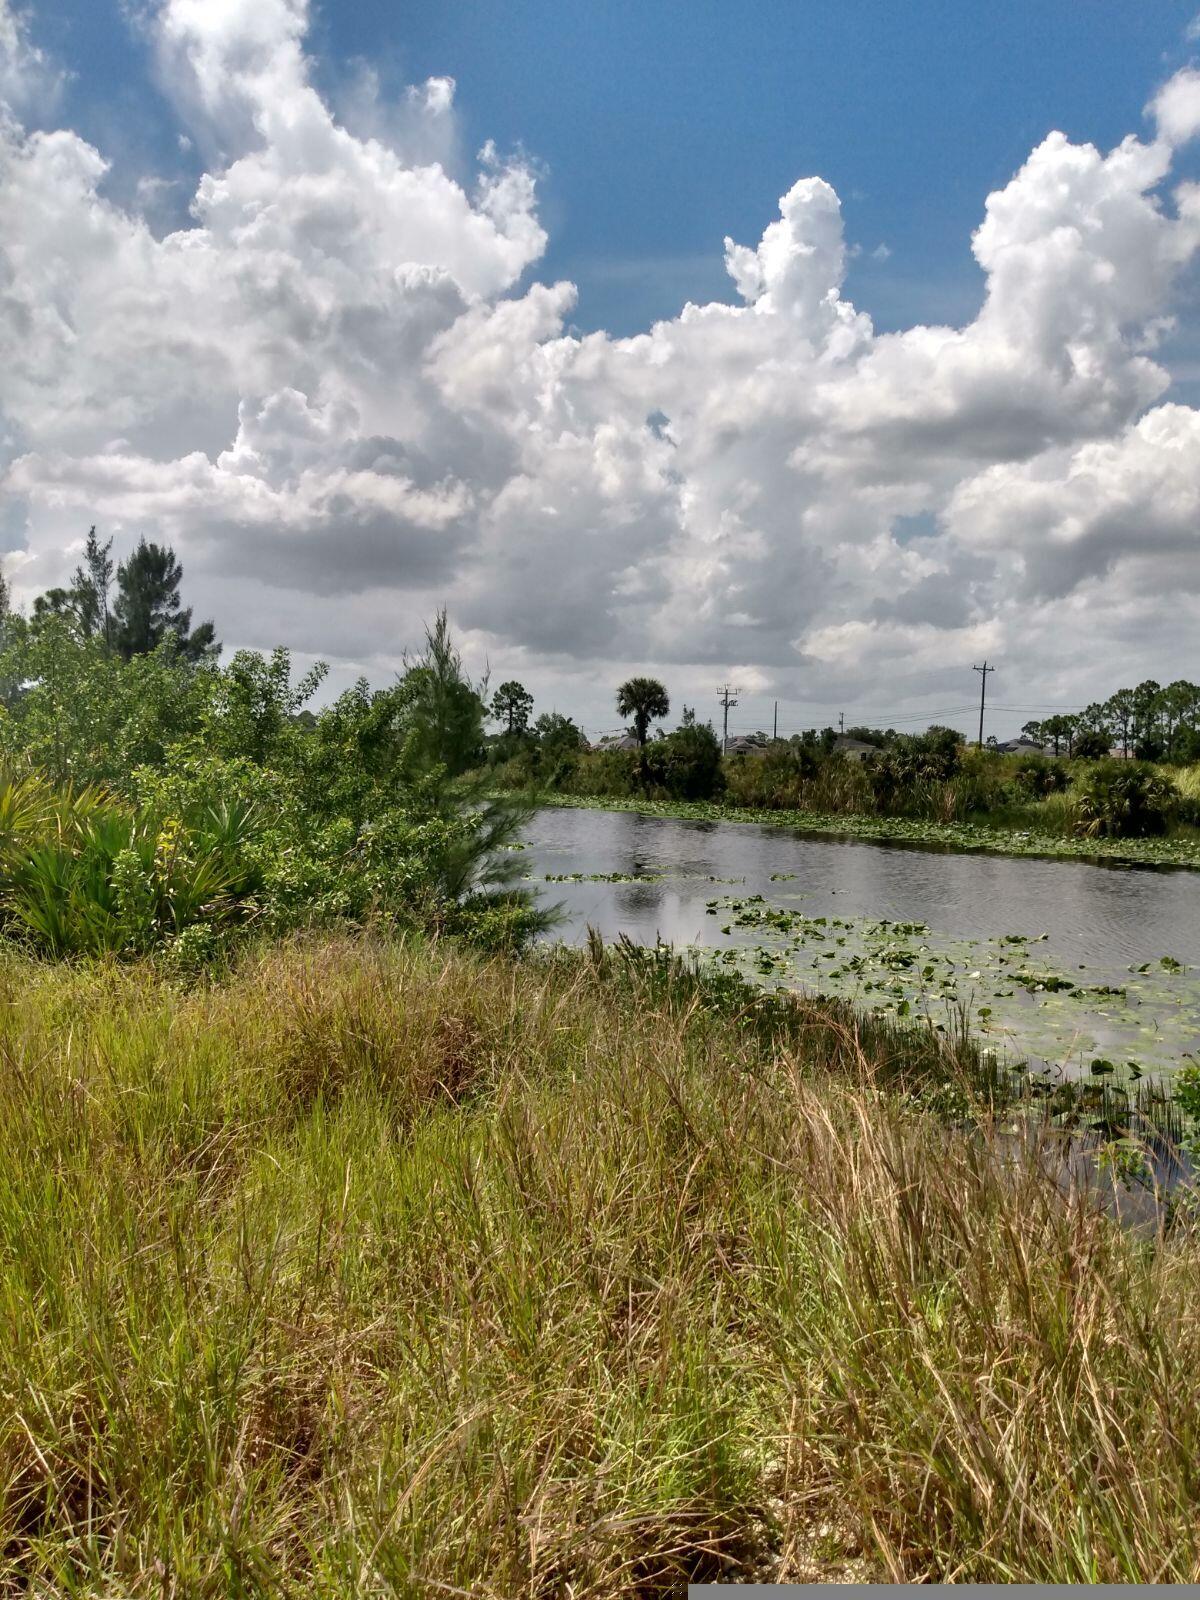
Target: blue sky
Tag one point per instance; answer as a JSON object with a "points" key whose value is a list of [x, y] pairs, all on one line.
{"points": [[662, 125], [350, 393]]}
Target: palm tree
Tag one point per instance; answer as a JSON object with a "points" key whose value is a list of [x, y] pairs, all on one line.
{"points": [[641, 699]]}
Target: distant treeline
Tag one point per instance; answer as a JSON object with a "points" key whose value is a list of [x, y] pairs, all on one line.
{"points": [[931, 776]]}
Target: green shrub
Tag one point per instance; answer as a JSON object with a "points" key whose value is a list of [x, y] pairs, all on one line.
{"points": [[1034, 777], [800, 777], [605, 774], [153, 797], [84, 873], [686, 765], [1124, 799]]}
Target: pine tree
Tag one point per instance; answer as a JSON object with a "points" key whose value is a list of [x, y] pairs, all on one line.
{"points": [[511, 704], [90, 587], [148, 609]]}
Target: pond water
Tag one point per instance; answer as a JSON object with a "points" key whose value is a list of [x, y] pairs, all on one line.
{"points": [[1066, 963]]}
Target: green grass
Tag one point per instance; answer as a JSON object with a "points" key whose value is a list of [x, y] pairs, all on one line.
{"points": [[382, 1270], [1179, 849]]}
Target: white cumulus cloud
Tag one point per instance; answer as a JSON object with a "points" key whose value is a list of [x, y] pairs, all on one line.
{"points": [[337, 396], [1176, 107]]}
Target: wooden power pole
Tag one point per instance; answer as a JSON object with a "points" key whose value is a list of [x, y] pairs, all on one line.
{"points": [[983, 675], [726, 697]]}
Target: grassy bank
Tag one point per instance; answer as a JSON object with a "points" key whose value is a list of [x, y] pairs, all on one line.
{"points": [[382, 1270], [1181, 849]]}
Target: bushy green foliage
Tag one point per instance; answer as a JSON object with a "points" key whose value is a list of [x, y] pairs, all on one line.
{"points": [[798, 776], [77, 711], [164, 797], [1034, 777], [1125, 799], [686, 765], [1093, 744], [542, 757], [612, 774], [84, 873]]}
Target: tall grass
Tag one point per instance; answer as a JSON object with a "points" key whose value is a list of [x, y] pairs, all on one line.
{"points": [[381, 1270]]}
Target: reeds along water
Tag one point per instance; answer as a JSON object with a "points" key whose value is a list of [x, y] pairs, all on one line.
{"points": [[374, 1268]]}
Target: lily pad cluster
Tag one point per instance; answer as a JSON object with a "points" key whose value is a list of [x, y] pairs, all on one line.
{"points": [[602, 877], [1090, 1026]]}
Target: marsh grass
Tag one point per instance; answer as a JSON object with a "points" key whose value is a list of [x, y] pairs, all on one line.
{"points": [[379, 1269]]}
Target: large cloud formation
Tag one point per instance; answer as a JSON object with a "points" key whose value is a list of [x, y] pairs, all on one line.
{"points": [[334, 395]]}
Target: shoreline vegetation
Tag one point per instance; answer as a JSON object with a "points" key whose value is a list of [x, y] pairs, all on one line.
{"points": [[377, 1265], [1172, 852], [1062, 789], [350, 1245]]}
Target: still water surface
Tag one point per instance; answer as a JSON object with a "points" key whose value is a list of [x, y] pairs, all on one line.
{"points": [[1087, 928]]}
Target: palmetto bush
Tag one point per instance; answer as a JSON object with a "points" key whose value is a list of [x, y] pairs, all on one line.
{"points": [[82, 872], [1125, 799]]}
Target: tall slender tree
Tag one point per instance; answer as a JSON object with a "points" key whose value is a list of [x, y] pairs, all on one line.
{"points": [[90, 588], [444, 712], [1120, 708], [1147, 718]]}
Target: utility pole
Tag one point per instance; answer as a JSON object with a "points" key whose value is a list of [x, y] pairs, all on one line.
{"points": [[726, 697], [775, 724], [983, 672], [841, 722]]}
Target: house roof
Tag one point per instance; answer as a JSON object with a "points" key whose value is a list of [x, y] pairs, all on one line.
{"points": [[1011, 746]]}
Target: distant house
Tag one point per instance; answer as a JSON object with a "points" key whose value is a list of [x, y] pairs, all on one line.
{"points": [[616, 741], [854, 749], [1022, 746], [746, 744]]}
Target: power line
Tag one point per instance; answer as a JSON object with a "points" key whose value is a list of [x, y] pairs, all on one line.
{"points": [[889, 720]]}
